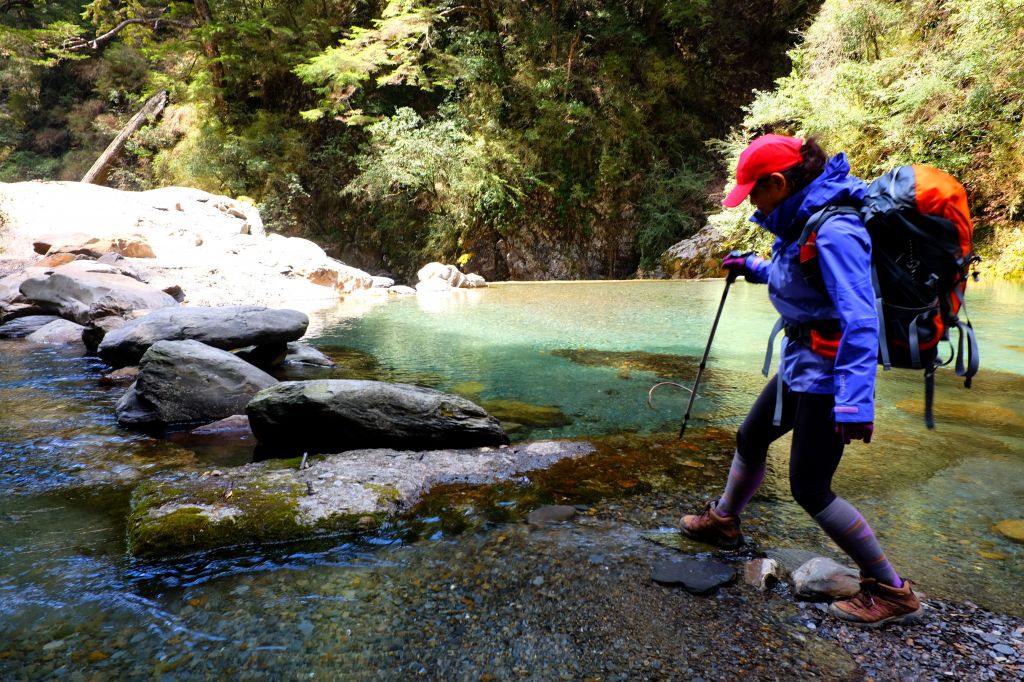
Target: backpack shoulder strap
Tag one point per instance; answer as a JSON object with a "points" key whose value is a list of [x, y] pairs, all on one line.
{"points": [[818, 219]]}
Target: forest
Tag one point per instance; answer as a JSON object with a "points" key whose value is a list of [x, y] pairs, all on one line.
{"points": [[520, 140]]}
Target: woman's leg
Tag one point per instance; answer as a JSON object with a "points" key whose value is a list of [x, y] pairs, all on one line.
{"points": [[813, 460], [752, 440]]}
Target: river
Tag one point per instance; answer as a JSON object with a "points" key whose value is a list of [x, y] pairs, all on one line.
{"points": [[73, 604]]}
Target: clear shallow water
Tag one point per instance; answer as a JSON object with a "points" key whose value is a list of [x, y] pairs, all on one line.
{"points": [[71, 600]]}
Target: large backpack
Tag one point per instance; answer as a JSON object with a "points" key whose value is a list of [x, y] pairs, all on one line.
{"points": [[921, 244]]}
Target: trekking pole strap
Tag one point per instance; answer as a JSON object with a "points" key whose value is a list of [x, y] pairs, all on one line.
{"points": [[973, 359]]}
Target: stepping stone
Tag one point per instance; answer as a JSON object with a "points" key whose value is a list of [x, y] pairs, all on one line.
{"points": [[699, 576]]}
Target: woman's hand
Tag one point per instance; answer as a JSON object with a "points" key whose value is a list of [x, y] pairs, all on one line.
{"points": [[850, 431], [736, 264]]}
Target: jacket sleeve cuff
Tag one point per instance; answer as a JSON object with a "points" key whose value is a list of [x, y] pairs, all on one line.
{"points": [[758, 268], [854, 414]]}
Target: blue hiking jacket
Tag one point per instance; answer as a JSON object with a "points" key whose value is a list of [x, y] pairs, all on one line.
{"points": [[844, 252]]}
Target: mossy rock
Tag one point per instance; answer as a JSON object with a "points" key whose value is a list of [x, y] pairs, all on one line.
{"points": [[661, 364], [183, 517], [526, 414]]}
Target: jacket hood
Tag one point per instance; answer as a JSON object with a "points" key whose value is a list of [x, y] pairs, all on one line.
{"points": [[835, 185]]}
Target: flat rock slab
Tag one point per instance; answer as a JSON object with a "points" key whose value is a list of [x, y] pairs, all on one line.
{"points": [[351, 491], [227, 328], [699, 576]]}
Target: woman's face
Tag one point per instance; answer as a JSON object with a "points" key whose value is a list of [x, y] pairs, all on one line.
{"points": [[769, 192]]}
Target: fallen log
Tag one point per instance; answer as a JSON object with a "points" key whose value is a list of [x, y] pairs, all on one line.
{"points": [[97, 175]]}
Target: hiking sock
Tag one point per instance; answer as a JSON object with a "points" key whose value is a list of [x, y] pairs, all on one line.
{"points": [[849, 529], [744, 480]]}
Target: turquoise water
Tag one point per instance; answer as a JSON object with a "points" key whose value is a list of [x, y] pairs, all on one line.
{"points": [[70, 599]]}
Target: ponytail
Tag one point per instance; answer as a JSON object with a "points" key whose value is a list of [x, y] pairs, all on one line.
{"points": [[814, 160]]}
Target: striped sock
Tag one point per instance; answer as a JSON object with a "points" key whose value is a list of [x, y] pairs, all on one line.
{"points": [[744, 480], [848, 529]]}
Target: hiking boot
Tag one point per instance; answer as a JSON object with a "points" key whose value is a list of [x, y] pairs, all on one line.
{"points": [[877, 604], [712, 527]]}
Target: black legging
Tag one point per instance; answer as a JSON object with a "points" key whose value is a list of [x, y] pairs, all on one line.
{"points": [[816, 450]]}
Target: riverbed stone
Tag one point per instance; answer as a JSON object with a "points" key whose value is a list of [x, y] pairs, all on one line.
{"points": [[551, 513], [188, 381], [227, 328], [1011, 528], [353, 491], [790, 558], [82, 293], [762, 573], [699, 576], [334, 415], [822, 579]]}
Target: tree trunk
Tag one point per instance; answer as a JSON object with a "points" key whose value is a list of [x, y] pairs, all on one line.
{"points": [[97, 175], [210, 48]]}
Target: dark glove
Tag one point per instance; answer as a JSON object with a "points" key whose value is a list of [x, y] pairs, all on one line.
{"points": [[850, 431], [736, 264]]}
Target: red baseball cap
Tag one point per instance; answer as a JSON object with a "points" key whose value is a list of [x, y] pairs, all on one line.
{"points": [[766, 155]]}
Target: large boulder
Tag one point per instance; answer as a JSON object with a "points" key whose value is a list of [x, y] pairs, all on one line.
{"points": [[226, 328], [434, 272], [23, 326], [58, 333], [187, 381], [335, 415], [82, 292]]}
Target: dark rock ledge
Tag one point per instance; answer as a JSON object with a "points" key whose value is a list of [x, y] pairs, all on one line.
{"points": [[275, 500]]}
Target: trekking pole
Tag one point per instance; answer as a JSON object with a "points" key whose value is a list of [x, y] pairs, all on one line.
{"points": [[704, 360]]}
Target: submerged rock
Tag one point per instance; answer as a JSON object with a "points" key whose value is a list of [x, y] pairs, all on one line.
{"points": [[551, 513], [762, 573], [226, 328], [188, 381], [1011, 528], [516, 412], [304, 354], [334, 415], [275, 500], [699, 576]]}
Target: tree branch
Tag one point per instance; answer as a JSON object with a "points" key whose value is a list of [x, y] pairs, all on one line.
{"points": [[83, 45]]}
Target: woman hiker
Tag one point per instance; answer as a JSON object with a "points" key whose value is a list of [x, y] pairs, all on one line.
{"points": [[826, 402]]}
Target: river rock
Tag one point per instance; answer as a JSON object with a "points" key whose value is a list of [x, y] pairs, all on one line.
{"points": [[226, 328], [383, 282], [551, 513], [433, 286], [699, 576], [334, 415], [401, 290], [265, 357], [21, 327], [1011, 528], [81, 293], [58, 333], [446, 273], [276, 500], [762, 573], [188, 381], [822, 579], [98, 329], [120, 377], [304, 354], [236, 425]]}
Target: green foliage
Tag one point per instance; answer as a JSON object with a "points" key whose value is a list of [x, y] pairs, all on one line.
{"points": [[916, 82]]}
